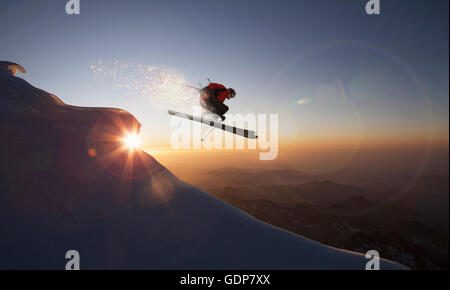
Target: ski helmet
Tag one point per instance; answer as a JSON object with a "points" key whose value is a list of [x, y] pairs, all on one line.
{"points": [[232, 92]]}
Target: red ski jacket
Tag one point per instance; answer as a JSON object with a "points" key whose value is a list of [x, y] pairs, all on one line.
{"points": [[221, 91]]}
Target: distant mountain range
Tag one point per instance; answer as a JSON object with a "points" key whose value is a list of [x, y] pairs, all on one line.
{"points": [[392, 230], [322, 193], [428, 197], [231, 176]]}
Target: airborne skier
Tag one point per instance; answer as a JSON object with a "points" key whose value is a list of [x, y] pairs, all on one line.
{"points": [[211, 99], [213, 96]]}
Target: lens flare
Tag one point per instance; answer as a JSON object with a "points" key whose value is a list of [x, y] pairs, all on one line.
{"points": [[131, 141]]}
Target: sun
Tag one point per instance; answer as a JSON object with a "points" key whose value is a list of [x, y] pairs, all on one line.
{"points": [[131, 141]]}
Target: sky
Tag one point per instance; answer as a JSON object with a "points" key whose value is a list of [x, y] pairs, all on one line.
{"points": [[332, 73]]}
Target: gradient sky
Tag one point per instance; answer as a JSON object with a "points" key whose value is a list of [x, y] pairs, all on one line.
{"points": [[331, 71]]}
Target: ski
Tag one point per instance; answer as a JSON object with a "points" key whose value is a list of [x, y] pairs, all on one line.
{"points": [[237, 131]]}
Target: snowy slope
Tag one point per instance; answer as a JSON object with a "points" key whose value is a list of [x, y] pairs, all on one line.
{"points": [[65, 183]]}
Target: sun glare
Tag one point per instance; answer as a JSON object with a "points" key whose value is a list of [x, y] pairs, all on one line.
{"points": [[131, 141]]}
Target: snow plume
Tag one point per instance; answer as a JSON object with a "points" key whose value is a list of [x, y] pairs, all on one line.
{"points": [[160, 85]]}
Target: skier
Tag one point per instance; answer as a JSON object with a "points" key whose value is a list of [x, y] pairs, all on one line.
{"points": [[213, 96]]}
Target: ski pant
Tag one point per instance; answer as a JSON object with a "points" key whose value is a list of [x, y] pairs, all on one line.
{"points": [[214, 106]]}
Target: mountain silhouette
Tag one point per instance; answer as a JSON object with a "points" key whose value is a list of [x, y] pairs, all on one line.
{"points": [[67, 183]]}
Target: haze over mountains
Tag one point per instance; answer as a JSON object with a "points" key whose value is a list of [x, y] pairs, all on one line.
{"points": [[408, 227], [428, 198]]}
